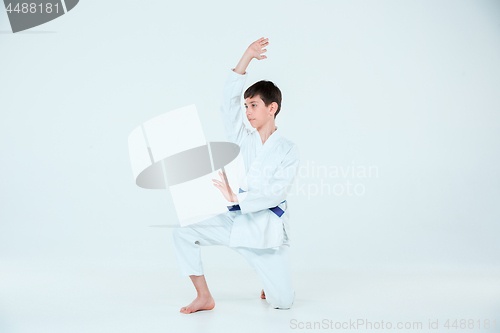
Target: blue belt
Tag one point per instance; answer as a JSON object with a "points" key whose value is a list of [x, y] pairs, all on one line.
{"points": [[276, 210]]}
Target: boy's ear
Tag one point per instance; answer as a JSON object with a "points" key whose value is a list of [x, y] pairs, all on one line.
{"points": [[273, 109]]}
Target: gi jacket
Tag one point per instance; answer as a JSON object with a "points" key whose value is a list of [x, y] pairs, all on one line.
{"points": [[271, 169]]}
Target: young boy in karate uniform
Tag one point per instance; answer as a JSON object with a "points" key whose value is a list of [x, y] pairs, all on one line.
{"points": [[256, 225]]}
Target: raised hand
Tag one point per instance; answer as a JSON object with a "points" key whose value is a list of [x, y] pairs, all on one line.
{"points": [[256, 49]]}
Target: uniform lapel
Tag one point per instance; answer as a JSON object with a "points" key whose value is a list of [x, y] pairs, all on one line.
{"points": [[265, 148]]}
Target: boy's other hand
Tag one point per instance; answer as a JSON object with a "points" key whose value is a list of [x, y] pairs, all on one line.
{"points": [[223, 186], [255, 49]]}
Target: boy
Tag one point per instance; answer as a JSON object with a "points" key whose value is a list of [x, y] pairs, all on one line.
{"points": [[256, 226]]}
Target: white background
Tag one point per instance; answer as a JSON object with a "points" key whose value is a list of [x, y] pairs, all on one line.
{"points": [[411, 87]]}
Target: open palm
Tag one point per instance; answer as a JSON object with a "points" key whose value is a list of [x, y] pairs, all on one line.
{"points": [[224, 187], [257, 48]]}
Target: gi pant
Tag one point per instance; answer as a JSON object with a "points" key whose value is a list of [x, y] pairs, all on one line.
{"points": [[272, 266]]}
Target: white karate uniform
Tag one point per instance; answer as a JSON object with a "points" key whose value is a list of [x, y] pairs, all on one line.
{"points": [[272, 266], [254, 231]]}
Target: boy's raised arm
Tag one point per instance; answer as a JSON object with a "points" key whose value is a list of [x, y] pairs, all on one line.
{"points": [[232, 115], [253, 51]]}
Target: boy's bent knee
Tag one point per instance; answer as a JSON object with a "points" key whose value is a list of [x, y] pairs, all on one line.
{"points": [[284, 303], [180, 234], [181, 231], [283, 306], [176, 233]]}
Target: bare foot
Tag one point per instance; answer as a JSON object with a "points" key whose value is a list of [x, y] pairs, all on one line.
{"points": [[262, 294], [200, 303]]}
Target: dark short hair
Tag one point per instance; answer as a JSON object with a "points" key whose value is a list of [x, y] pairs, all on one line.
{"points": [[267, 91]]}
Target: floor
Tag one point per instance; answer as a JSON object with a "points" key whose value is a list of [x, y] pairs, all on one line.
{"points": [[42, 297]]}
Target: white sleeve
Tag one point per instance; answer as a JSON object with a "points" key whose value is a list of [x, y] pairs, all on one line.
{"points": [[232, 113], [274, 190]]}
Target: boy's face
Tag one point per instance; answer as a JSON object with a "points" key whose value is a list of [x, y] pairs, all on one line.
{"points": [[257, 112]]}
